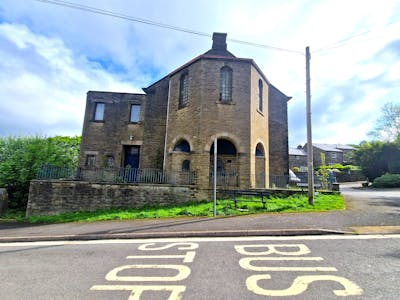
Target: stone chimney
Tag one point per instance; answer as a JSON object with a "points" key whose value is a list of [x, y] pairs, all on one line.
{"points": [[219, 46], [219, 41]]}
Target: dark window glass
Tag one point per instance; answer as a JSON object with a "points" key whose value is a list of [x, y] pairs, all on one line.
{"points": [[135, 113], [183, 89], [259, 150], [110, 161], [90, 160], [260, 95], [186, 165], [99, 111], [224, 147], [225, 90], [182, 146]]}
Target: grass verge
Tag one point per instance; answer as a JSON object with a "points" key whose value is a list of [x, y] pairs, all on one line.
{"points": [[295, 203]]}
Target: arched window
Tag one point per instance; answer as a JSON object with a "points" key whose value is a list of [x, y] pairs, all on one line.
{"points": [[225, 89], [259, 150], [186, 165], [260, 95], [224, 147], [182, 146], [183, 89]]}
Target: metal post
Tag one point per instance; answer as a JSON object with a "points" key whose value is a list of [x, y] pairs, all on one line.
{"points": [[310, 162], [215, 177]]}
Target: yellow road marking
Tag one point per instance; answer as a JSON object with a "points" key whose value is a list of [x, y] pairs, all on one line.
{"points": [[183, 273], [137, 290], [187, 258]]}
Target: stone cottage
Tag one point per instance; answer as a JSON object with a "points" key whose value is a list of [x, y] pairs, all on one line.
{"points": [[173, 124], [323, 154]]}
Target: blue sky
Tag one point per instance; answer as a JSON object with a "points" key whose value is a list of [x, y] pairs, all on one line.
{"points": [[52, 55]]}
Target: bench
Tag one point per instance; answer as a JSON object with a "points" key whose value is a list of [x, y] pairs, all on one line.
{"points": [[303, 185], [236, 193]]}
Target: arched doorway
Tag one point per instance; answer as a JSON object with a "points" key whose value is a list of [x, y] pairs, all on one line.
{"points": [[227, 163], [180, 162], [260, 165]]}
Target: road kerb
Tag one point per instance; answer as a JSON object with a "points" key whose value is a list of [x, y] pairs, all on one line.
{"points": [[179, 234]]}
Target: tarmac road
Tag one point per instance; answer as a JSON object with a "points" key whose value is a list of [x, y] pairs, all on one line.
{"points": [[302, 267], [368, 211]]}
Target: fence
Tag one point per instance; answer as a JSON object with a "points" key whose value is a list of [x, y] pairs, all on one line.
{"points": [[224, 179], [303, 176], [117, 175], [156, 176], [53, 172], [283, 181], [279, 181]]}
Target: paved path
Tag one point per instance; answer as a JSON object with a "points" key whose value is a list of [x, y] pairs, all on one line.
{"points": [[369, 211]]}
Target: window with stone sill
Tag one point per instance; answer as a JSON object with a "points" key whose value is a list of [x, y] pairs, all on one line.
{"points": [[184, 89], [90, 161], [135, 113], [225, 89], [110, 161], [260, 95]]}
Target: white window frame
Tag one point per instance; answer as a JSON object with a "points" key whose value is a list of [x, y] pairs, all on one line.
{"points": [[134, 116]]}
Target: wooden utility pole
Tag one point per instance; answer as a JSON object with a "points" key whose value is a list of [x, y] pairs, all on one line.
{"points": [[215, 176], [310, 163]]}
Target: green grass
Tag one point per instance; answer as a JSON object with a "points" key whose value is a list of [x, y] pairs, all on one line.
{"points": [[296, 203]]}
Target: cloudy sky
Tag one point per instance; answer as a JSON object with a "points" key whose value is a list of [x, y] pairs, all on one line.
{"points": [[51, 55]]}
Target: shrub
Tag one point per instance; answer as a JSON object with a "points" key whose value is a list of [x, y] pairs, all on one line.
{"points": [[387, 180], [339, 167], [21, 157]]}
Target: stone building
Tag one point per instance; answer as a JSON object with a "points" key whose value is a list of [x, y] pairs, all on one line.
{"points": [[323, 155], [298, 158], [172, 126]]}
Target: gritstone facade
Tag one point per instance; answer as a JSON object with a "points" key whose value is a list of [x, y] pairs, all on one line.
{"points": [[172, 126]]}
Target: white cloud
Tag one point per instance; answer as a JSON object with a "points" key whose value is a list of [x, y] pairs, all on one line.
{"points": [[51, 101], [52, 55]]}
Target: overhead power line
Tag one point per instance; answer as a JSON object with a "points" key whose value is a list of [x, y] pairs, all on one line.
{"points": [[158, 24], [345, 41]]}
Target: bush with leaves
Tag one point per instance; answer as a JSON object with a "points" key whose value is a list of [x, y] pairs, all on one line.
{"points": [[377, 158], [387, 180], [21, 157]]}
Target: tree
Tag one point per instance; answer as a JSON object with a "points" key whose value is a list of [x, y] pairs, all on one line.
{"points": [[377, 158], [387, 126], [21, 157]]}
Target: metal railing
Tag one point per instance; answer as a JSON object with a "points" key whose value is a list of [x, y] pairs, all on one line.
{"points": [[225, 179], [278, 181], [54, 172], [283, 181], [117, 175], [156, 176]]}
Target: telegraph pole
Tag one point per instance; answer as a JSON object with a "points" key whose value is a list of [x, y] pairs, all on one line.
{"points": [[310, 163], [215, 176]]}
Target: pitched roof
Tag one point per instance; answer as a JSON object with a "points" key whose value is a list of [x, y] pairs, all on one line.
{"points": [[327, 147], [217, 52], [297, 151], [344, 147]]}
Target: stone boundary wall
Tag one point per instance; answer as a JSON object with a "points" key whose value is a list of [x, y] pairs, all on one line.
{"points": [[50, 197]]}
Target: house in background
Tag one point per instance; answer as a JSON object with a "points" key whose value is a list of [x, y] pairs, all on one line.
{"points": [[323, 154], [172, 126], [298, 158]]}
